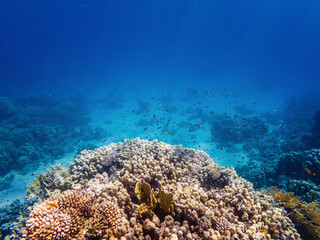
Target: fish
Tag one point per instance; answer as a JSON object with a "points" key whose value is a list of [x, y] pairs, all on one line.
{"points": [[280, 194], [272, 229], [52, 205], [308, 171], [165, 132], [262, 231], [208, 94]]}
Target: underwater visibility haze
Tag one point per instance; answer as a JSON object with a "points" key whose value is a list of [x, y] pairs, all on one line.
{"points": [[159, 119]]}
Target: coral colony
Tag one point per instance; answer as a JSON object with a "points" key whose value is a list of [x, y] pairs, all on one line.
{"points": [[140, 189]]}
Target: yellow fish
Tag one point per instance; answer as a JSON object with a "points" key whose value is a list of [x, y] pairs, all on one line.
{"points": [[52, 205]]}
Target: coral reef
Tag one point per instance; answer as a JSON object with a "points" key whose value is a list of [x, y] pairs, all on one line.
{"points": [[314, 139], [11, 218], [296, 171], [305, 215], [72, 214], [5, 181], [164, 192], [7, 108], [289, 134], [50, 183], [294, 165], [234, 130], [41, 129], [166, 201]]}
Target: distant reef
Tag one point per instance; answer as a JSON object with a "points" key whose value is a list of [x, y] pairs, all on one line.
{"points": [[279, 149], [40, 129]]}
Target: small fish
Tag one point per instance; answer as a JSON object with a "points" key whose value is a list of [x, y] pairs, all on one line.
{"points": [[52, 205], [165, 132], [280, 194], [262, 231], [308, 171], [272, 229], [207, 94], [313, 193]]}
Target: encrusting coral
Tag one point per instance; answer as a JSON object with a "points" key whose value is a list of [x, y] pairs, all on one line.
{"points": [[163, 192]]}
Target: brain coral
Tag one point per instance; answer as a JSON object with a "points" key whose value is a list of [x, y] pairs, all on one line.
{"points": [[206, 201]]}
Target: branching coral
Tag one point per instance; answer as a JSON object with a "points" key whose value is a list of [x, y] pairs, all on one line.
{"points": [[305, 215], [47, 183], [72, 214]]}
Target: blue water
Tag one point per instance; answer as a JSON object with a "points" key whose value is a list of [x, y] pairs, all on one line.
{"points": [[57, 47], [237, 79]]}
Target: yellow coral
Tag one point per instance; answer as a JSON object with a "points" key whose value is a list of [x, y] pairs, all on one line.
{"points": [[145, 194], [145, 211], [166, 201]]}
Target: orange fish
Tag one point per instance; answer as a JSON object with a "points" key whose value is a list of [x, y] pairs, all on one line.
{"points": [[280, 194], [165, 132], [272, 229], [262, 231], [308, 171], [52, 205]]}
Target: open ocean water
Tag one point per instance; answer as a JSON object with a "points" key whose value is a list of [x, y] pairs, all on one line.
{"points": [[239, 80]]}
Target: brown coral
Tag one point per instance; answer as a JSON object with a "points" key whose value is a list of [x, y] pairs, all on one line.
{"points": [[72, 214]]}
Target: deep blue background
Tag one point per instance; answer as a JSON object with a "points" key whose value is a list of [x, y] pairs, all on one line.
{"points": [[47, 45]]}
